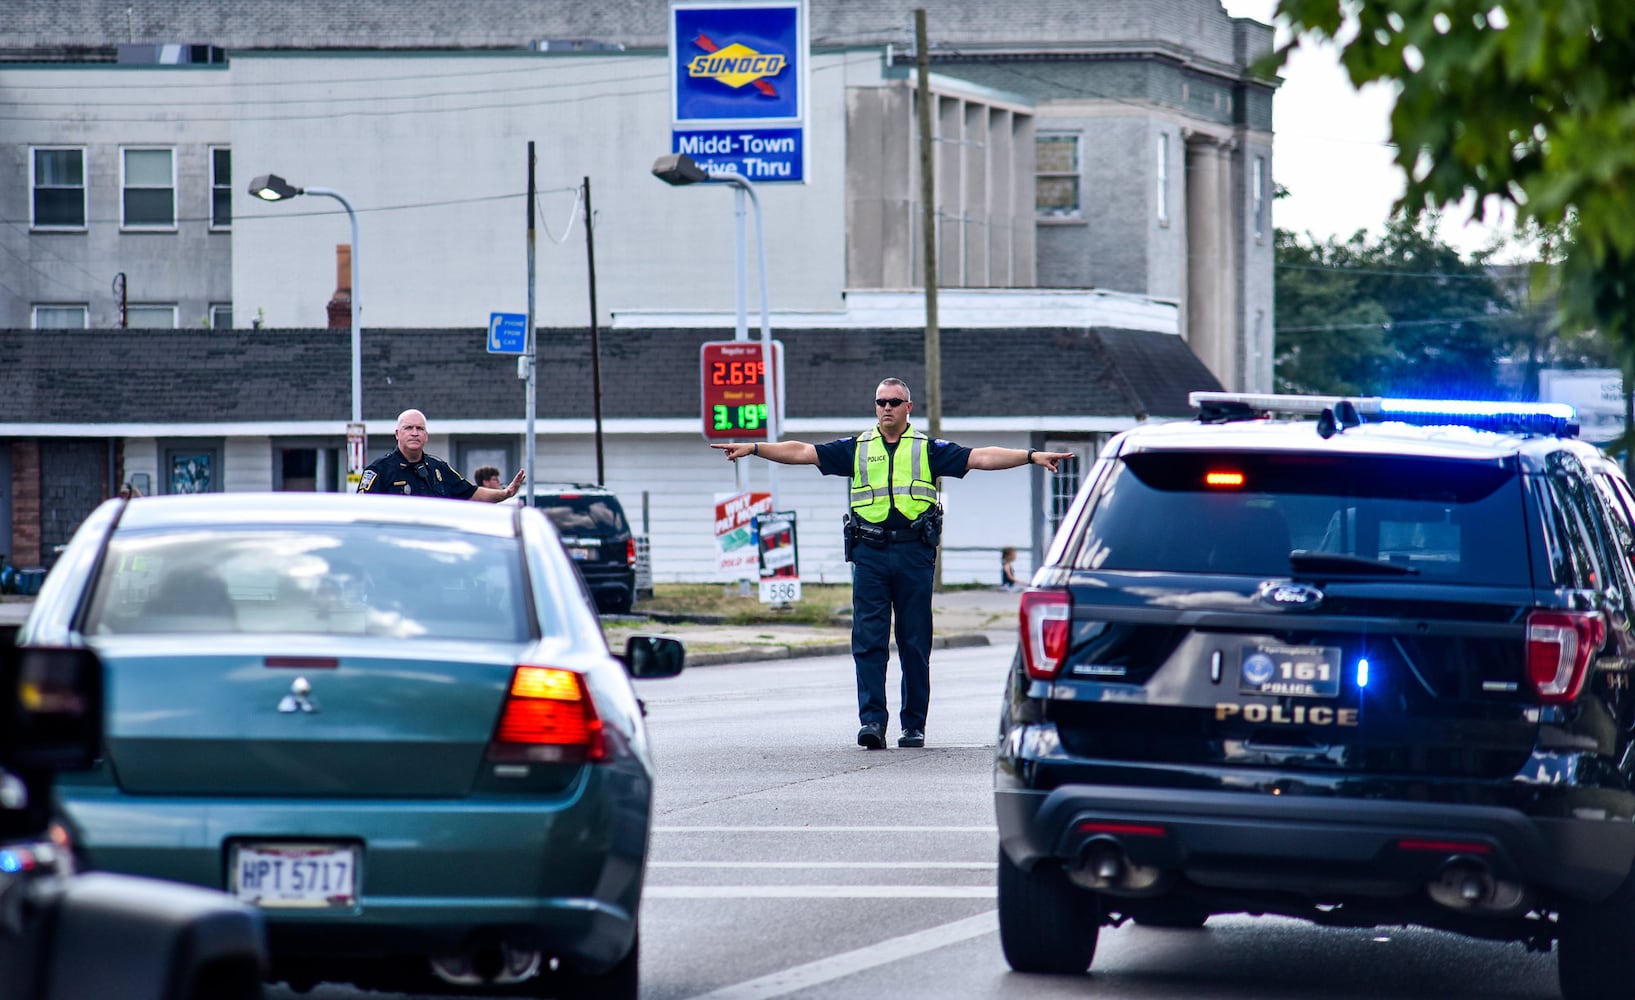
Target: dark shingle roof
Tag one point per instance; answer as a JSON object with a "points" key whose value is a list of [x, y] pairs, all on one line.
{"points": [[187, 376]]}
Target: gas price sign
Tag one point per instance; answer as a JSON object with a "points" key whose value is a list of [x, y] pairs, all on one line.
{"points": [[734, 380]]}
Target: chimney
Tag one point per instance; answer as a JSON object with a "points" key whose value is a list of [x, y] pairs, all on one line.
{"points": [[340, 304]]}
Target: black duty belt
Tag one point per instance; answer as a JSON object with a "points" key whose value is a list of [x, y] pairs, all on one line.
{"points": [[890, 535]]}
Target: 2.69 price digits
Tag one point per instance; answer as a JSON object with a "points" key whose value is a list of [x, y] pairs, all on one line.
{"points": [[737, 372], [748, 417]]}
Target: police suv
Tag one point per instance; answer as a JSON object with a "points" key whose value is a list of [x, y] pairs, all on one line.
{"points": [[1357, 661]]}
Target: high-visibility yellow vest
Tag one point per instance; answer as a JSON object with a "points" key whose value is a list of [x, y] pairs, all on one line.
{"points": [[883, 479]]}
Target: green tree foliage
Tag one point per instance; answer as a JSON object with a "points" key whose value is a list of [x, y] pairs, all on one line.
{"points": [[1530, 102], [1403, 314]]}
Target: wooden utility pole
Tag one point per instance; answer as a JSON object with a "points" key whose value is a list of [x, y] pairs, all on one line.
{"points": [[928, 229]]}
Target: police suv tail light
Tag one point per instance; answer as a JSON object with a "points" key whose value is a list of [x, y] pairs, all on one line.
{"points": [[548, 717], [1045, 617], [1559, 647], [630, 552]]}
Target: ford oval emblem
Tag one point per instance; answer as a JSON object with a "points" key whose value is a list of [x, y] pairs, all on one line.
{"points": [[1287, 594]]}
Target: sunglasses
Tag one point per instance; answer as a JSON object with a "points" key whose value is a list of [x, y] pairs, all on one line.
{"points": [[890, 402]]}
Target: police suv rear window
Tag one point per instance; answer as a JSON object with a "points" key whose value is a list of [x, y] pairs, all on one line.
{"points": [[579, 514], [1233, 513]]}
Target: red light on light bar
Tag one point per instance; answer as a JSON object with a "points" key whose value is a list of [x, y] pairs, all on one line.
{"points": [[1445, 846], [1223, 479], [1123, 829]]}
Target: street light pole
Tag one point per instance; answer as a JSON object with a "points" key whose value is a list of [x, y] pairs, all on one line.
{"points": [[679, 169], [271, 187]]}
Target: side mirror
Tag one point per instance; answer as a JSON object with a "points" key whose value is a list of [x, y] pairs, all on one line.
{"points": [[653, 656], [50, 708]]}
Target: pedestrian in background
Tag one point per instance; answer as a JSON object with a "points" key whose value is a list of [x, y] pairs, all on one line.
{"points": [[1007, 569], [489, 476], [892, 530], [127, 491], [407, 469]]}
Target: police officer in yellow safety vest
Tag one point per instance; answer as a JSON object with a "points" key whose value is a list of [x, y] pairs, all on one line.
{"points": [[891, 542]]}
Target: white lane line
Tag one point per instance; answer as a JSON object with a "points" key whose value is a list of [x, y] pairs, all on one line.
{"points": [[826, 829], [818, 892], [837, 865], [834, 967]]}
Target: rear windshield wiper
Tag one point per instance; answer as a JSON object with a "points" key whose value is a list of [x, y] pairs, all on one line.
{"points": [[1307, 561]]}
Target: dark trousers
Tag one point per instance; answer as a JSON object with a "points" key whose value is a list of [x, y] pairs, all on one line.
{"points": [[889, 580]]}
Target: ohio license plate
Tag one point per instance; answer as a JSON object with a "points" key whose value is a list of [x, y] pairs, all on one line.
{"points": [[1277, 670], [295, 875]]}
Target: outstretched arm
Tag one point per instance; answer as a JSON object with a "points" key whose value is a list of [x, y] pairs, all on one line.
{"points": [[1009, 458], [491, 495], [782, 452]]}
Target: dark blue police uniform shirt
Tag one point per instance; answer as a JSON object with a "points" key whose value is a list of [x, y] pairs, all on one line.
{"points": [[838, 458], [429, 477]]}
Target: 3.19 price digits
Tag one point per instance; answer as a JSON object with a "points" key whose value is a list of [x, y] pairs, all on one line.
{"points": [[748, 417]]}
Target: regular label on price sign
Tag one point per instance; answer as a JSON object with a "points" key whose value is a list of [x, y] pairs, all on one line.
{"points": [[780, 590]]}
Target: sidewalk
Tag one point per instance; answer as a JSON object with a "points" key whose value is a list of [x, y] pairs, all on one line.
{"points": [[978, 617]]}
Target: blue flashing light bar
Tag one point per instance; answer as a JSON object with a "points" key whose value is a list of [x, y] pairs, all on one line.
{"points": [[1557, 419], [1362, 672]]}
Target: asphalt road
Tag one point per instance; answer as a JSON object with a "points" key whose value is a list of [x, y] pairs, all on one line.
{"points": [[788, 862]]}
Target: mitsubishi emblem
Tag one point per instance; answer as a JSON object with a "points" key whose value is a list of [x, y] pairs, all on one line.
{"points": [[297, 700]]}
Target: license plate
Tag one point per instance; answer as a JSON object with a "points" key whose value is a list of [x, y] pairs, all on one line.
{"points": [[295, 875], [579, 553], [1276, 670]]}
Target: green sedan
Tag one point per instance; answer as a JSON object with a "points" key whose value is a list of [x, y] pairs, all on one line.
{"points": [[392, 724]]}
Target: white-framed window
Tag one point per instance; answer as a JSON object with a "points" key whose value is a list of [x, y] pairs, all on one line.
{"points": [[1257, 196], [1056, 181], [57, 176], [221, 316], [221, 187], [147, 178], [1161, 171], [57, 316], [151, 316]]}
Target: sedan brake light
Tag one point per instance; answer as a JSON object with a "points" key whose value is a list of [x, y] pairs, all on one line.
{"points": [[1045, 617], [548, 717], [1559, 647]]}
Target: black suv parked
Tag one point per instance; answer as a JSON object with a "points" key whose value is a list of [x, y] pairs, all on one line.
{"points": [[596, 534], [1372, 668]]}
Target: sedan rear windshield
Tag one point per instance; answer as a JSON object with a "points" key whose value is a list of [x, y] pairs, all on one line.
{"points": [[326, 580], [1440, 520]]}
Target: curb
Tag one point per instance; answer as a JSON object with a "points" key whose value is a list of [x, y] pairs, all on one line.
{"points": [[755, 654]]}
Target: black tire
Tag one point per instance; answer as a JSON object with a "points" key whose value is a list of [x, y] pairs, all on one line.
{"points": [[1595, 957], [1046, 923]]}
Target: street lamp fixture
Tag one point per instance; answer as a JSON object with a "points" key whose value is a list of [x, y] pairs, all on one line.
{"points": [[679, 169], [271, 187]]}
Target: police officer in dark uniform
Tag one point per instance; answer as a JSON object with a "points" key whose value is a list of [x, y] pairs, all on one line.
{"points": [[407, 469], [892, 530]]}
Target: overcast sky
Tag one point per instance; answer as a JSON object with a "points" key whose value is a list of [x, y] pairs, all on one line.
{"points": [[1331, 150]]}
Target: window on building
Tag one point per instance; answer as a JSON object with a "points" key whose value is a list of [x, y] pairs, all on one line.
{"points": [[221, 188], [1162, 199], [1056, 186], [1258, 197], [150, 316], [58, 179], [148, 177], [221, 316], [62, 317]]}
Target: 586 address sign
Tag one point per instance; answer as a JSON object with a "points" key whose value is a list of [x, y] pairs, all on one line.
{"points": [[734, 380]]}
